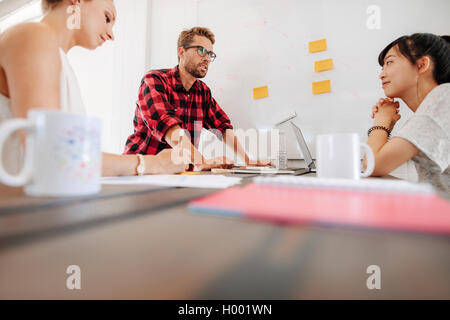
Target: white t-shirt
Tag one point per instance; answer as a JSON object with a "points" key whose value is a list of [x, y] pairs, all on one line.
{"points": [[429, 130]]}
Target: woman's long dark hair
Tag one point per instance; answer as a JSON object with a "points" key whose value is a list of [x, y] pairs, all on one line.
{"points": [[418, 45]]}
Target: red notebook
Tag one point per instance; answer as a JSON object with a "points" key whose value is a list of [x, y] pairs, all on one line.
{"points": [[366, 209]]}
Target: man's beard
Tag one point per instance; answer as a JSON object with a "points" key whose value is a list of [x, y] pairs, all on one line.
{"points": [[195, 71]]}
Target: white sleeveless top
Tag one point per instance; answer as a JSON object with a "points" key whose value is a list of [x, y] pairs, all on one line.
{"points": [[70, 101]]}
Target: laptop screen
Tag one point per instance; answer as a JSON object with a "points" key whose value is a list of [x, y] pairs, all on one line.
{"points": [[303, 146]]}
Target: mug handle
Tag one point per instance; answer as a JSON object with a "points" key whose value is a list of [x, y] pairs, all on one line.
{"points": [[370, 160], [24, 176]]}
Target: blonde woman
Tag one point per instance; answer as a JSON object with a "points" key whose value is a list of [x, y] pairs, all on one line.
{"points": [[35, 73]]}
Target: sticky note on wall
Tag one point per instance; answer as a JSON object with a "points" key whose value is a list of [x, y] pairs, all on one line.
{"points": [[321, 87], [317, 46], [261, 92], [323, 65]]}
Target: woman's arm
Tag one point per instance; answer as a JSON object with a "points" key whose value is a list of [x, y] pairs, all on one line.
{"points": [[389, 154], [392, 155], [125, 165], [119, 165]]}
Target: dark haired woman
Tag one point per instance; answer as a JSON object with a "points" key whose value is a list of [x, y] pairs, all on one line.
{"points": [[416, 69], [35, 73]]}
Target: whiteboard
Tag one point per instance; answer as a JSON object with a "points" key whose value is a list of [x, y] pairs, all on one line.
{"points": [[265, 42]]}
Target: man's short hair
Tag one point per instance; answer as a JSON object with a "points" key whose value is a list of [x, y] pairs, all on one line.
{"points": [[187, 36]]}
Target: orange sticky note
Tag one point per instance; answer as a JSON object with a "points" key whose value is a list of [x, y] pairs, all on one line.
{"points": [[261, 92], [321, 87], [317, 46], [323, 65]]}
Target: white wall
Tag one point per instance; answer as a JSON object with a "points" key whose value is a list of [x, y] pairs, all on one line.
{"points": [[10, 7], [265, 42], [14, 12], [110, 76], [168, 19]]}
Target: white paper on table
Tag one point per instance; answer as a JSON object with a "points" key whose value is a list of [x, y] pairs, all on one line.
{"points": [[189, 181]]}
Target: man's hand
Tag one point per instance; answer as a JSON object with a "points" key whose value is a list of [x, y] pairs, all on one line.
{"points": [[386, 113], [216, 163]]}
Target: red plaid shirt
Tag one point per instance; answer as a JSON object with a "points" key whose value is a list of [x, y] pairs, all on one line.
{"points": [[163, 103]]}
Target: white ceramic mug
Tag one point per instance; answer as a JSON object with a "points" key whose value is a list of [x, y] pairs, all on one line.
{"points": [[62, 154], [338, 156]]}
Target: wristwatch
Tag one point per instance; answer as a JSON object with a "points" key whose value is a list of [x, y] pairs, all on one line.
{"points": [[140, 169]]}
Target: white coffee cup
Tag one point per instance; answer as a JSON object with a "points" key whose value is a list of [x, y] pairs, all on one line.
{"points": [[62, 154], [338, 156]]}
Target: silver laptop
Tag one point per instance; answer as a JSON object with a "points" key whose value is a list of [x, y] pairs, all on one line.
{"points": [[310, 165], [301, 143]]}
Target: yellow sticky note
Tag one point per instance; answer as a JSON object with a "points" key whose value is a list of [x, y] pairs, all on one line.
{"points": [[321, 87], [261, 92], [323, 65], [317, 46]]}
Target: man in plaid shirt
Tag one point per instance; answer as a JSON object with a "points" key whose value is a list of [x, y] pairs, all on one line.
{"points": [[174, 106]]}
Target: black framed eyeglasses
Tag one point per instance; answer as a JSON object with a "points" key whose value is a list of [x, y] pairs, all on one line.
{"points": [[203, 52]]}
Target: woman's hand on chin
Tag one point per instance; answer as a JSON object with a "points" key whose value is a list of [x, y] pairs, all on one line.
{"points": [[386, 112]]}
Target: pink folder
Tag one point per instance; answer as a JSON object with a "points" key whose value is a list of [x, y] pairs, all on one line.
{"points": [[366, 209]]}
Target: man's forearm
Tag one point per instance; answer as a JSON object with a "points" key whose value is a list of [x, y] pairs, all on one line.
{"points": [[232, 141], [177, 138]]}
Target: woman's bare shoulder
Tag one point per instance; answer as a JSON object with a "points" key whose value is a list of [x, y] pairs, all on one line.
{"points": [[31, 37]]}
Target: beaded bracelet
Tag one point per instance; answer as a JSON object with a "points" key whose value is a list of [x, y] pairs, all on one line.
{"points": [[379, 128]]}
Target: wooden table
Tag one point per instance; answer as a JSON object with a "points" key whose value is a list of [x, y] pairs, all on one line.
{"points": [[142, 243]]}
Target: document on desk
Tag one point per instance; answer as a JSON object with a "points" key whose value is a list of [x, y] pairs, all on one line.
{"points": [[188, 181], [368, 184]]}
